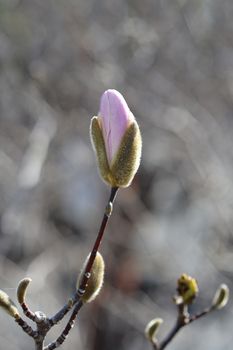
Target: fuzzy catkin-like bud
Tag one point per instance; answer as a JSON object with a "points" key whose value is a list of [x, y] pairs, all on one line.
{"points": [[8, 305], [99, 147], [116, 139], [95, 280], [22, 289], [187, 288], [127, 160], [221, 297], [152, 329]]}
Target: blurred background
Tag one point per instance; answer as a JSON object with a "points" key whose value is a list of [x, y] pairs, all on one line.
{"points": [[173, 62]]}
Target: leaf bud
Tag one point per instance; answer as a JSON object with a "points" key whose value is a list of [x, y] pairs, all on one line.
{"points": [[8, 305], [221, 297], [152, 329], [22, 289], [95, 280], [187, 289]]}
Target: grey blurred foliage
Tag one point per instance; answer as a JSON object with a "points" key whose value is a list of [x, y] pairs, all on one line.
{"points": [[173, 62]]}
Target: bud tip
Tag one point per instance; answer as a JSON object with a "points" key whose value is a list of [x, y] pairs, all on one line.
{"points": [[221, 297], [152, 329]]}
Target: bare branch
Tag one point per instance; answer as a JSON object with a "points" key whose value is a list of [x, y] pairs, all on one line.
{"points": [[26, 328], [66, 330], [27, 312], [61, 313]]}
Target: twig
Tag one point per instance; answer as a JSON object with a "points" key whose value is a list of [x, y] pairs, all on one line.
{"points": [[42, 321], [201, 314], [97, 243], [26, 328], [43, 326], [40, 345], [27, 312], [66, 308], [66, 330], [61, 313], [169, 337], [184, 318]]}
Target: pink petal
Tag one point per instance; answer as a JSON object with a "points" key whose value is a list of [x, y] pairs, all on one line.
{"points": [[116, 117]]}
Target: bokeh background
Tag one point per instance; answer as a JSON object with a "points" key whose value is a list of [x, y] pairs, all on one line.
{"points": [[173, 62]]}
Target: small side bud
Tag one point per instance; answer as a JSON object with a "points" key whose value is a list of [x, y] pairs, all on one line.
{"points": [[70, 303], [152, 329], [22, 289], [221, 297], [8, 305], [96, 279], [187, 289]]}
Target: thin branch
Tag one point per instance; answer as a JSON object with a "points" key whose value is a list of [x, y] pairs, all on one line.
{"points": [[27, 312], [182, 320], [66, 330], [75, 299], [26, 328], [201, 314], [169, 337], [61, 313], [40, 345], [97, 243], [43, 326]]}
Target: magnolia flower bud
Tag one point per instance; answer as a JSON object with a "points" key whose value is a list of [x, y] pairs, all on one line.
{"points": [[116, 139], [96, 279], [152, 329], [22, 288], [221, 297], [187, 289], [7, 304]]}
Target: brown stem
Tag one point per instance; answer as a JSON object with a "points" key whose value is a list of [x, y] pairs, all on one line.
{"points": [[182, 320], [27, 312], [97, 243], [39, 345], [66, 330], [169, 337], [61, 313], [66, 308], [46, 324], [26, 328], [201, 314]]}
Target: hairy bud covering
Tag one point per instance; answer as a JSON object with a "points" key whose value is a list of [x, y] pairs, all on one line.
{"points": [[22, 289], [95, 280], [8, 305], [116, 139], [152, 329]]}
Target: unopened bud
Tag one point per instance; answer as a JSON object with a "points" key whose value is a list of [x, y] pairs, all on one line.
{"points": [[187, 288], [95, 280], [40, 316], [116, 139], [22, 289], [152, 329], [221, 297], [8, 305]]}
